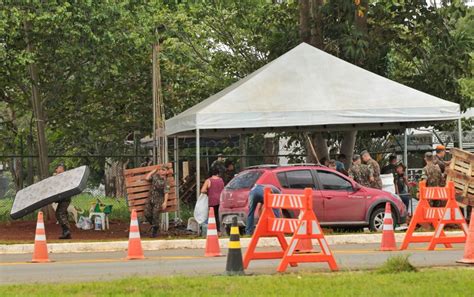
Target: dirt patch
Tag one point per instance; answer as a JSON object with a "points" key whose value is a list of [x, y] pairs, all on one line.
{"points": [[24, 232]]}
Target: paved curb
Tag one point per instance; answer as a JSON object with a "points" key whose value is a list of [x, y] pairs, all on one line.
{"points": [[153, 245]]}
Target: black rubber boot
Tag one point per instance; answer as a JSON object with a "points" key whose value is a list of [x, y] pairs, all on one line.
{"points": [[66, 233], [154, 232]]}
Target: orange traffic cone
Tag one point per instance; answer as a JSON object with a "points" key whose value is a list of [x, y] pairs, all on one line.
{"points": [[469, 248], [40, 253], [388, 236], [212, 240], [135, 250]]}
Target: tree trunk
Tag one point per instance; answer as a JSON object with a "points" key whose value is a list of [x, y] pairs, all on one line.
{"points": [[311, 155], [348, 145], [43, 162], [320, 145], [305, 22], [30, 179], [114, 178], [109, 177], [16, 171], [317, 39], [243, 151], [120, 180], [271, 147], [38, 112]]}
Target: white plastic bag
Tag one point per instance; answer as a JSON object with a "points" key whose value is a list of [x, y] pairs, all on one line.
{"points": [[201, 209], [84, 223]]}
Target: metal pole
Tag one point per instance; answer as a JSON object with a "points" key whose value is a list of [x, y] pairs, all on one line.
{"points": [[405, 160], [154, 98], [405, 149], [166, 148], [136, 143], [164, 158], [176, 174], [460, 133], [198, 165]]}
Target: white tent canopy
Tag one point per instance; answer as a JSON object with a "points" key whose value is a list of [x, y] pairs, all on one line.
{"points": [[307, 87]]}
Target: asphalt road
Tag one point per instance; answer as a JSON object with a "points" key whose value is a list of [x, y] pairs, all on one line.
{"points": [[106, 266]]}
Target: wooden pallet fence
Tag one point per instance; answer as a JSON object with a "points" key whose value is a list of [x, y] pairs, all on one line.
{"points": [[138, 189], [461, 172]]}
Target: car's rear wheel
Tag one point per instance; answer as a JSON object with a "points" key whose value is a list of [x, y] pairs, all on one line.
{"points": [[376, 219]]}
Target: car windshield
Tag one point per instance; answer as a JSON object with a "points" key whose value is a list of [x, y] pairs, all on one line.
{"points": [[244, 180]]}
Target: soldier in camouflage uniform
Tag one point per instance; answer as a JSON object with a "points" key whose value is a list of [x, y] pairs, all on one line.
{"points": [[360, 172], [438, 159], [375, 180], [431, 172], [158, 198], [61, 210], [433, 176]]}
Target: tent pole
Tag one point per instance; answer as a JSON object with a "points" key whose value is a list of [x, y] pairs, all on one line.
{"points": [[405, 160], [460, 133], [198, 165], [405, 148], [164, 157], [176, 174]]}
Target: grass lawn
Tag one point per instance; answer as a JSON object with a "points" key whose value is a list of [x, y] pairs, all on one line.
{"points": [[428, 282]]}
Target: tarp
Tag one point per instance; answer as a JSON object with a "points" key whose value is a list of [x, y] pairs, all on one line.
{"points": [[308, 87]]}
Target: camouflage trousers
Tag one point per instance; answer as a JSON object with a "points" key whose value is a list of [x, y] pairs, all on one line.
{"points": [[61, 212], [152, 214]]}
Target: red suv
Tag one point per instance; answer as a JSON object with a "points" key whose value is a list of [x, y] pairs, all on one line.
{"points": [[338, 201]]}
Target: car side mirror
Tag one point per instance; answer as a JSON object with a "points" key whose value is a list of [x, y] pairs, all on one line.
{"points": [[357, 187]]}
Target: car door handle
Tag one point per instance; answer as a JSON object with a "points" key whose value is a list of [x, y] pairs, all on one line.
{"points": [[328, 197]]}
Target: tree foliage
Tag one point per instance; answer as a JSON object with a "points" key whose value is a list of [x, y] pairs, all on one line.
{"points": [[94, 59]]}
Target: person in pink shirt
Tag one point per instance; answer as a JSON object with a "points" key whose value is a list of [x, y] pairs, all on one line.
{"points": [[213, 187]]}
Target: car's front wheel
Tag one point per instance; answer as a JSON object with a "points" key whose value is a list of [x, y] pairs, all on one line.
{"points": [[376, 219]]}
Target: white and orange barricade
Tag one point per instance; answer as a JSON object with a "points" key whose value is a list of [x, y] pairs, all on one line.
{"points": [[304, 228], [439, 217]]}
